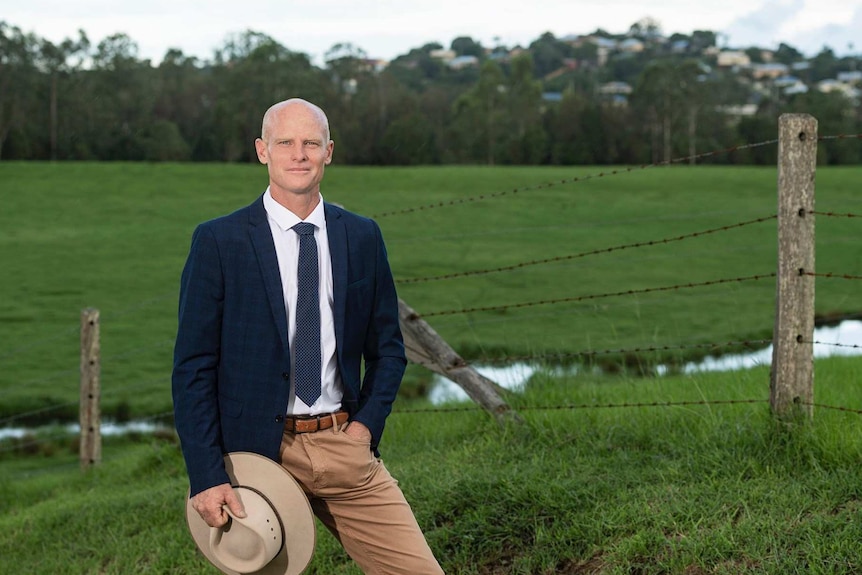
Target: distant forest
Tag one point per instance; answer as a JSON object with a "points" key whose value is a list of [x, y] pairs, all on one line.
{"points": [[558, 101]]}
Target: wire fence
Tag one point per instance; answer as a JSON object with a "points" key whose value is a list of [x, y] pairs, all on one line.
{"points": [[718, 347]]}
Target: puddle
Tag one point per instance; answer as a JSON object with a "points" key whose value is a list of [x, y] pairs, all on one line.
{"points": [[514, 377]]}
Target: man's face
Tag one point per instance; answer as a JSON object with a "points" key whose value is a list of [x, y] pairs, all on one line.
{"points": [[295, 150]]}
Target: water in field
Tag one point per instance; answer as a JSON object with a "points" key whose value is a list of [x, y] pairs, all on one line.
{"points": [[107, 428], [847, 334]]}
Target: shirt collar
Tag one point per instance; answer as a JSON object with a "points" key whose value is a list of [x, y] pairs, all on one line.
{"points": [[285, 219]]}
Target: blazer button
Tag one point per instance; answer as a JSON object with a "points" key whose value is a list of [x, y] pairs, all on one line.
{"points": [[279, 418], [285, 375]]}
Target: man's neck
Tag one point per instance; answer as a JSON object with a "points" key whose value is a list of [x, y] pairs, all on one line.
{"points": [[300, 204]]}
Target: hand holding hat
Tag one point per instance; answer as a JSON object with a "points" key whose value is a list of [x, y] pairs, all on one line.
{"points": [[277, 534], [216, 504]]}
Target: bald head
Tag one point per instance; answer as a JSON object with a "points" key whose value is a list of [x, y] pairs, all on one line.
{"points": [[286, 107]]}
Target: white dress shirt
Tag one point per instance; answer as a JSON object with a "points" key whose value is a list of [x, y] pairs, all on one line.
{"points": [[281, 220]]}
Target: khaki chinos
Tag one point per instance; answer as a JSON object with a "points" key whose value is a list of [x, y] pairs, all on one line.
{"points": [[353, 494]]}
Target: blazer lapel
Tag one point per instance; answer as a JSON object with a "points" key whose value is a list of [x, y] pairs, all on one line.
{"points": [[337, 236], [264, 247]]}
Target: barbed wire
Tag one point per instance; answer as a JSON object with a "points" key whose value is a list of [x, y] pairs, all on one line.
{"points": [[834, 214], [840, 137], [595, 296], [587, 253], [830, 343], [833, 407], [829, 275], [4, 422], [575, 179], [586, 406]]}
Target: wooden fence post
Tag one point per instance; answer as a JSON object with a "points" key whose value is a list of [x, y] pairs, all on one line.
{"points": [[425, 347], [89, 413], [791, 383]]}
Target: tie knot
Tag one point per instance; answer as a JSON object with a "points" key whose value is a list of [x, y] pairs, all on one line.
{"points": [[304, 228]]}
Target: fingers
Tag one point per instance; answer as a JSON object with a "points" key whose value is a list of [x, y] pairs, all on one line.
{"points": [[210, 505], [358, 430], [234, 504]]}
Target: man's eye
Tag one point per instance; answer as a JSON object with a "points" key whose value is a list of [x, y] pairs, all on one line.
{"points": [[312, 144]]}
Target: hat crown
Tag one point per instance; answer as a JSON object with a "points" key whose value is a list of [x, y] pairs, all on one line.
{"points": [[247, 545]]}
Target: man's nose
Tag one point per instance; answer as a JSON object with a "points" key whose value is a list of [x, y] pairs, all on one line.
{"points": [[298, 153]]}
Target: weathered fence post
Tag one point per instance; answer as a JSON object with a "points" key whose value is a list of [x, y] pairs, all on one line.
{"points": [[792, 378], [89, 414], [425, 347]]}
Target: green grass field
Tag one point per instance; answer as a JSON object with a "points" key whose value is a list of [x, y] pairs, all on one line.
{"points": [[709, 485], [688, 490], [115, 236]]}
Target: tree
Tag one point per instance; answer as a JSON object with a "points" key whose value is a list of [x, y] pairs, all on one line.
{"points": [[787, 54], [549, 54], [123, 86], [466, 46], [663, 92], [18, 78], [346, 62], [824, 65], [59, 62], [527, 139], [480, 113], [252, 72]]}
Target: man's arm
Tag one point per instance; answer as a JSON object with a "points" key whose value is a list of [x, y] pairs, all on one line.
{"points": [[383, 351], [196, 361]]}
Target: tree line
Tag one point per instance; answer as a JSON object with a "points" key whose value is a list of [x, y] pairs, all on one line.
{"points": [[543, 104]]}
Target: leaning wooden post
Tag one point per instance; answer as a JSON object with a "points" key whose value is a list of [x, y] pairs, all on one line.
{"points": [[90, 415], [792, 377], [425, 347]]}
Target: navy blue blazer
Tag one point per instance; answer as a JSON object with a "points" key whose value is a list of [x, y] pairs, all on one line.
{"points": [[232, 361]]}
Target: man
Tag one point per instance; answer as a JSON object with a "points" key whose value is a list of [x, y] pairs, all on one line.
{"points": [[250, 376]]}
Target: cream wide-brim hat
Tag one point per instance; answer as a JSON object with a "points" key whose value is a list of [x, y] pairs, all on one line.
{"points": [[276, 537]]}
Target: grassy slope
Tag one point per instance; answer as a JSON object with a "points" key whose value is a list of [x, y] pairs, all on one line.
{"points": [[687, 489], [114, 236]]}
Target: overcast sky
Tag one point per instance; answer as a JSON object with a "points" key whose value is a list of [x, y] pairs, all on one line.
{"points": [[388, 28]]}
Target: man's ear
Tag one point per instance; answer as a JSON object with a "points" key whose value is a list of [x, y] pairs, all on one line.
{"points": [[260, 148]]}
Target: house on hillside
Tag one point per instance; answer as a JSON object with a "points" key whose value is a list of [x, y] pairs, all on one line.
{"points": [[461, 62], [852, 78], [443, 54], [833, 86], [733, 59], [631, 46], [616, 93], [769, 71]]}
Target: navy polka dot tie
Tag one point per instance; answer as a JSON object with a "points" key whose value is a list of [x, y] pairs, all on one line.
{"points": [[306, 341]]}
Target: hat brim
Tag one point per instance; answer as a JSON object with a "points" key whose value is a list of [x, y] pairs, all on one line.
{"points": [[287, 498]]}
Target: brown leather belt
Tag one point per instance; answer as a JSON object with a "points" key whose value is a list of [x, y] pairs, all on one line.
{"points": [[312, 423]]}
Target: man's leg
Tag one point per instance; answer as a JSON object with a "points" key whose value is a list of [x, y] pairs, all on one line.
{"points": [[360, 502]]}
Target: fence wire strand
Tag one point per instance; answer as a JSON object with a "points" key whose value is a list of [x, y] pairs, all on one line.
{"points": [[575, 179], [587, 253], [596, 296]]}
